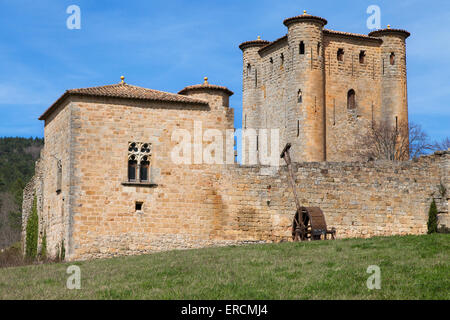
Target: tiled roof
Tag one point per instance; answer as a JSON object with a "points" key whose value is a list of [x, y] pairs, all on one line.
{"points": [[326, 31], [253, 43], [270, 44], [355, 35], [381, 32], [125, 91], [205, 86], [305, 17]]}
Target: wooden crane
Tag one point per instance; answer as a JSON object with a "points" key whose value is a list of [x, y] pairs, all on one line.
{"points": [[309, 222]]}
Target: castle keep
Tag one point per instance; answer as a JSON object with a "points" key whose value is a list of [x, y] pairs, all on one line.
{"points": [[105, 184], [320, 87]]}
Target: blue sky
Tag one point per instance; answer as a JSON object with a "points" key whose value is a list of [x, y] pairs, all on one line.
{"points": [[167, 45]]}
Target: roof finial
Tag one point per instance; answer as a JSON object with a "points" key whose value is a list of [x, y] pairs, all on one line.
{"points": [[206, 80], [122, 78], [389, 26], [259, 38], [304, 11]]}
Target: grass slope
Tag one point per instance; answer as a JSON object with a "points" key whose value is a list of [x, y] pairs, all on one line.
{"points": [[412, 267]]}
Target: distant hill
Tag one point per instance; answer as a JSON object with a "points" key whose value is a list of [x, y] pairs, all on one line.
{"points": [[17, 159]]}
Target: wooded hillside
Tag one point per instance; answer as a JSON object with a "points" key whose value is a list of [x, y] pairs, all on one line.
{"points": [[17, 159]]}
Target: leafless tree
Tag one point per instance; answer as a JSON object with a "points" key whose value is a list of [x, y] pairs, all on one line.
{"points": [[442, 145], [394, 142], [419, 143]]}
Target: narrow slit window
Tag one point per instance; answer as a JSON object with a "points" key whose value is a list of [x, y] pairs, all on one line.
{"points": [[298, 128], [59, 177], [282, 58], [362, 56], [319, 45], [301, 47], [249, 69], [340, 54], [299, 96], [392, 58], [351, 100]]}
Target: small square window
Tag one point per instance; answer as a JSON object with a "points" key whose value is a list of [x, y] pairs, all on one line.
{"points": [[139, 206]]}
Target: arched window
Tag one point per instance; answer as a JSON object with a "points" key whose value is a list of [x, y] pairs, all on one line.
{"points": [[340, 54], [351, 100], [282, 58], [302, 47], [299, 96], [144, 169], [249, 69], [132, 168], [392, 58], [318, 48]]}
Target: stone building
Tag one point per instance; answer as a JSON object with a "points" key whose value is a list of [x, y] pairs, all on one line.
{"points": [[320, 87], [106, 183]]}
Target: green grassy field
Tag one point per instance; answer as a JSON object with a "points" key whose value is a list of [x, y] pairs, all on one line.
{"points": [[412, 267]]}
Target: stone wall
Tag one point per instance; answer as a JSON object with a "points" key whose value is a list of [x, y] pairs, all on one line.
{"points": [[344, 126], [193, 206], [179, 207], [359, 199]]}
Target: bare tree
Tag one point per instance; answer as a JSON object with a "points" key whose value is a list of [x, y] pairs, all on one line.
{"points": [[442, 145], [383, 141], [418, 141], [394, 142]]}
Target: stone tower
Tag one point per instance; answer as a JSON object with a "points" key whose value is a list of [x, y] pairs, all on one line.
{"points": [[306, 83], [322, 88], [394, 89]]}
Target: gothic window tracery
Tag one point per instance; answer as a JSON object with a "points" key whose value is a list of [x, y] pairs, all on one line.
{"points": [[139, 158]]}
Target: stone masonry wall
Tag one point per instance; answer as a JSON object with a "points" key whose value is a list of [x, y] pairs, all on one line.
{"points": [[359, 199], [193, 206], [180, 210], [343, 126]]}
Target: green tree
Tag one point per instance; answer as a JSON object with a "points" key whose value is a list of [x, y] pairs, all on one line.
{"points": [[15, 217], [432, 218], [32, 232], [63, 251], [44, 246]]}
